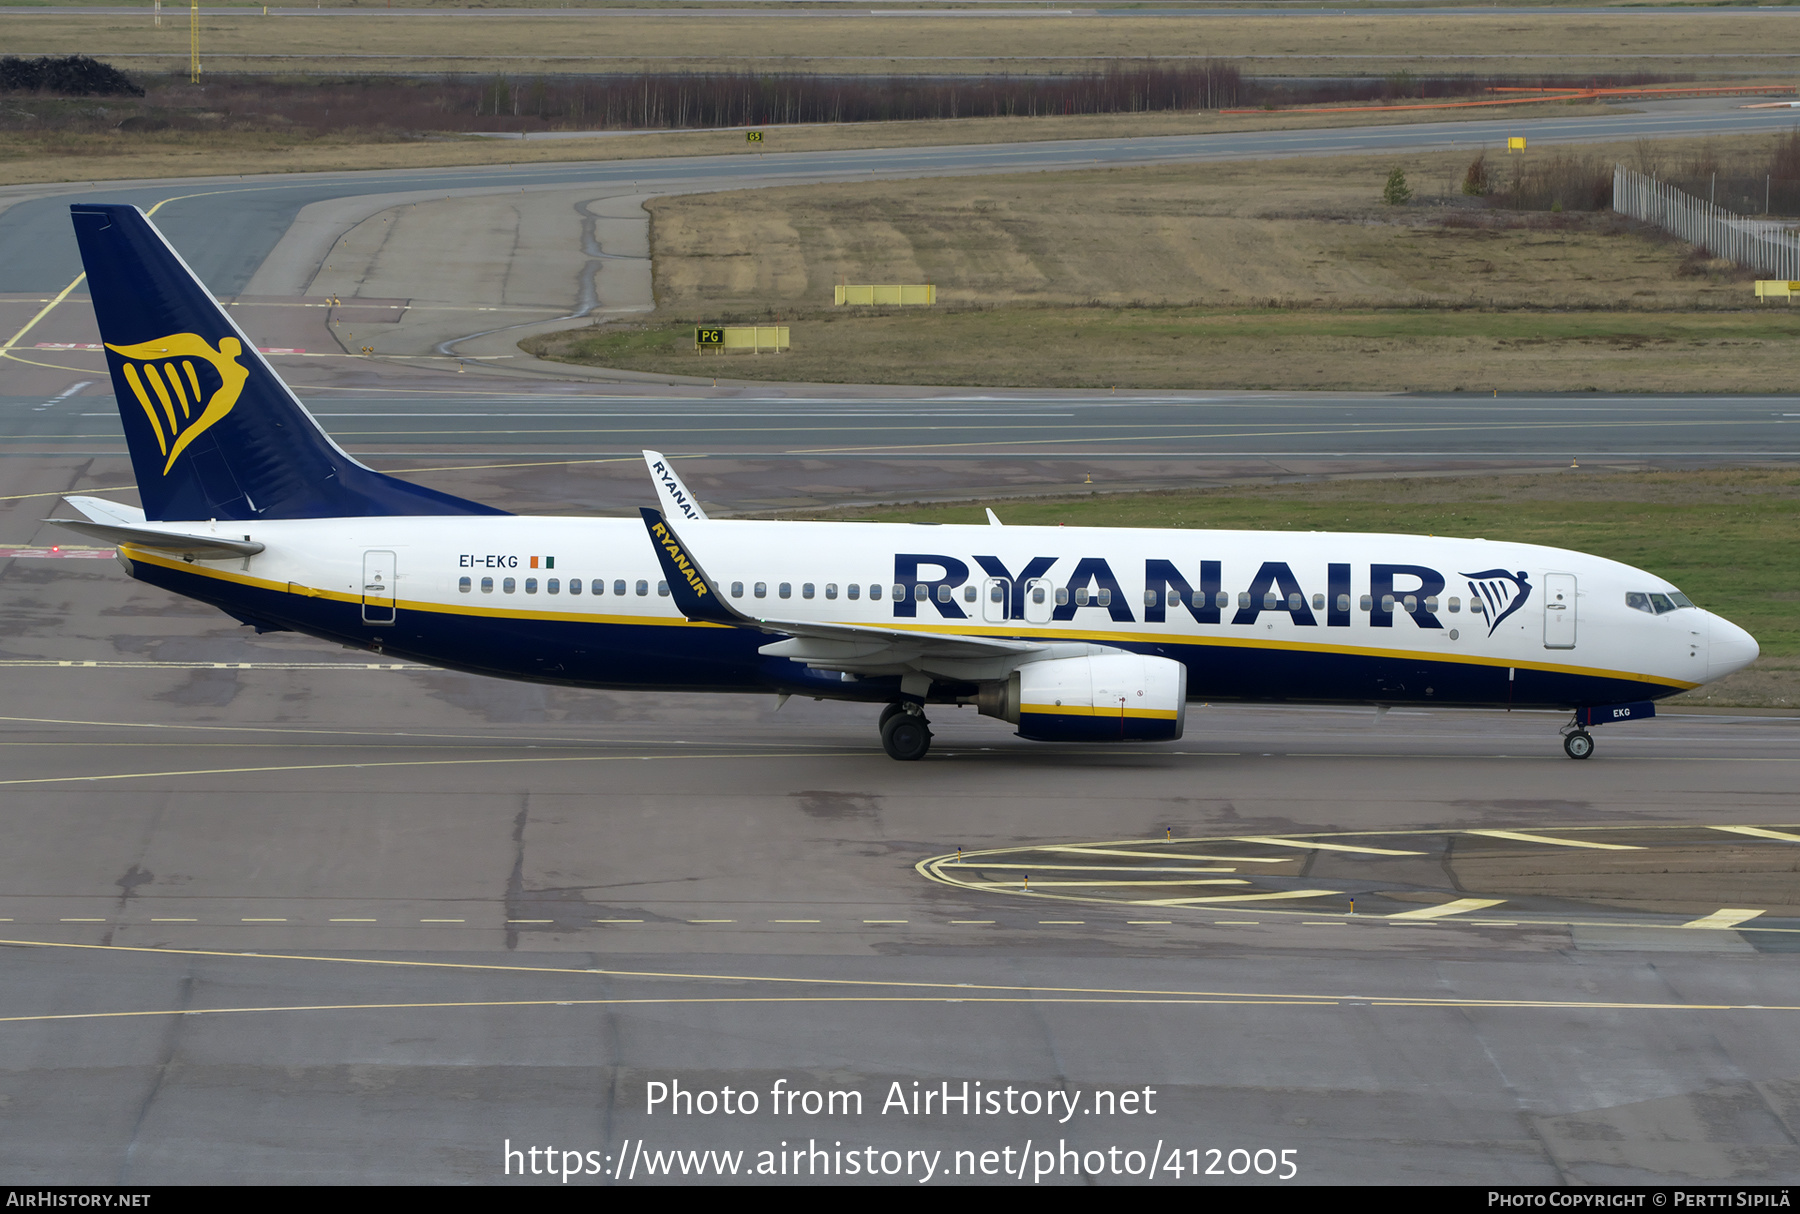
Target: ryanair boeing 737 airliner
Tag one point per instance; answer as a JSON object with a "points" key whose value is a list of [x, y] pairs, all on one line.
{"points": [[1068, 633]]}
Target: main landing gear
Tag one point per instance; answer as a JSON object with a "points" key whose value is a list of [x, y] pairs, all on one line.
{"points": [[1578, 743], [905, 733]]}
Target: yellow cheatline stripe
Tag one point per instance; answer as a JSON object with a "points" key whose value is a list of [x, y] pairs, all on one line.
{"points": [[961, 630], [860, 983], [1520, 836], [235, 771], [1725, 917], [1083, 710], [1314, 845], [1760, 832], [1457, 907]]}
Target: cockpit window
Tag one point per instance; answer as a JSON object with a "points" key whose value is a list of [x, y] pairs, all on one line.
{"points": [[1656, 604]]}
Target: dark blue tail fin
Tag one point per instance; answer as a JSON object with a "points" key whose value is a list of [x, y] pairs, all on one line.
{"points": [[213, 431]]}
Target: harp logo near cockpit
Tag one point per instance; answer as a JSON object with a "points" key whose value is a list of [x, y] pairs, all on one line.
{"points": [[1500, 591], [184, 385]]}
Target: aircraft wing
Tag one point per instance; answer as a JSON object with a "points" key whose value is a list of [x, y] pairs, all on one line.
{"points": [[852, 648]]}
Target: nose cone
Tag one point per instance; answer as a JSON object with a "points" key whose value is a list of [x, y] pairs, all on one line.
{"points": [[1729, 648]]}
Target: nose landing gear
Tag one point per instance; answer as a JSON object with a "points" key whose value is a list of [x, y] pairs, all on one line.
{"points": [[905, 733]]}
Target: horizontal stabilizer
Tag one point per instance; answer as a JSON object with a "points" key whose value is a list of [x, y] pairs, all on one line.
{"points": [[195, 547]]}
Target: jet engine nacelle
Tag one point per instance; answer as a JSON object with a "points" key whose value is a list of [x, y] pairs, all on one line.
{"points": [[1114, 697]]}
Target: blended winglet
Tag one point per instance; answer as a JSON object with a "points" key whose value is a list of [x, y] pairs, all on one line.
{"points": [[675, 494], [694, 593]]}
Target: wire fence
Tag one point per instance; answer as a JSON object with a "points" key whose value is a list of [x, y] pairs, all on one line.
{"points": [[1771, 246]]}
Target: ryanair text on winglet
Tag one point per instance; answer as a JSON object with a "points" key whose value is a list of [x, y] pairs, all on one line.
{"points": [[673, 488], [681, 562]]}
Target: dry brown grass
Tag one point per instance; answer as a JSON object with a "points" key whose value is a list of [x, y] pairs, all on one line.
{"points": [[1219, 235], [860, 42]]}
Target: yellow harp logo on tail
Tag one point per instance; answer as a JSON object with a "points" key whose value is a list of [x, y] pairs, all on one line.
{"points": [[167, 384]]}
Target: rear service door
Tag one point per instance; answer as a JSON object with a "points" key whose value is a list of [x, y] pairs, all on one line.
{"points": [[378, 588], [1559, 611]]}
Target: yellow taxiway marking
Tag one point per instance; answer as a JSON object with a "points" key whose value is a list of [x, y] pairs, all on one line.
{"points": [[771, 921], [1070, 884], [1760, 832], [1459, 906], [884, 920], [1063, 922], [81, 921], [957, 988], [355, 921], [1292, 893], [1322, 923], [1150, 922], [1087, 868], [701, 920], [1156, 855], [531, 921], [1314, 845], [443, 921], [237, 771], [174, 920], [964, 922], [1726, 917], [1237, 922], [618, 921], [1520, 836], [262, 920]]}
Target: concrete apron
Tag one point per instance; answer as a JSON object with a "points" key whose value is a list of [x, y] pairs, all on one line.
{"points": [[478, 269]]}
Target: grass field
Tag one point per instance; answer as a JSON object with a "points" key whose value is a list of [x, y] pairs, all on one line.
{"points": [[1241, 275], [863, 41], [1726, 538]]}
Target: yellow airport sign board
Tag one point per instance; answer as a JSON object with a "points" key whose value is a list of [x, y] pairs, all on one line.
{"points": [[1515, 143], [888, 293], [754, 338], [1777, 288]]}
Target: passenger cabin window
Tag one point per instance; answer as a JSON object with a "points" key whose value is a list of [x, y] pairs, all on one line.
{"points": [[786, 590], [1455, 604], [643, 588], [662, 589], [464, 584], [1062, 596], [1412, 604], [1366, 603], [1477, 607], [1037, 594], [1319, 602], [487, 585], [552, 586], [1270, 602], [1105, 598], [1343, 603], [1243, 600], [806, 590], [1431, 603], [1222, 600], [530, 585], [852, 591], [830, 590], [761, 590], [1387, 603], [969, 594], [1081, 597], [509, 585], [574, 585], [737, 590], [619, 586], [1295, 602]]}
